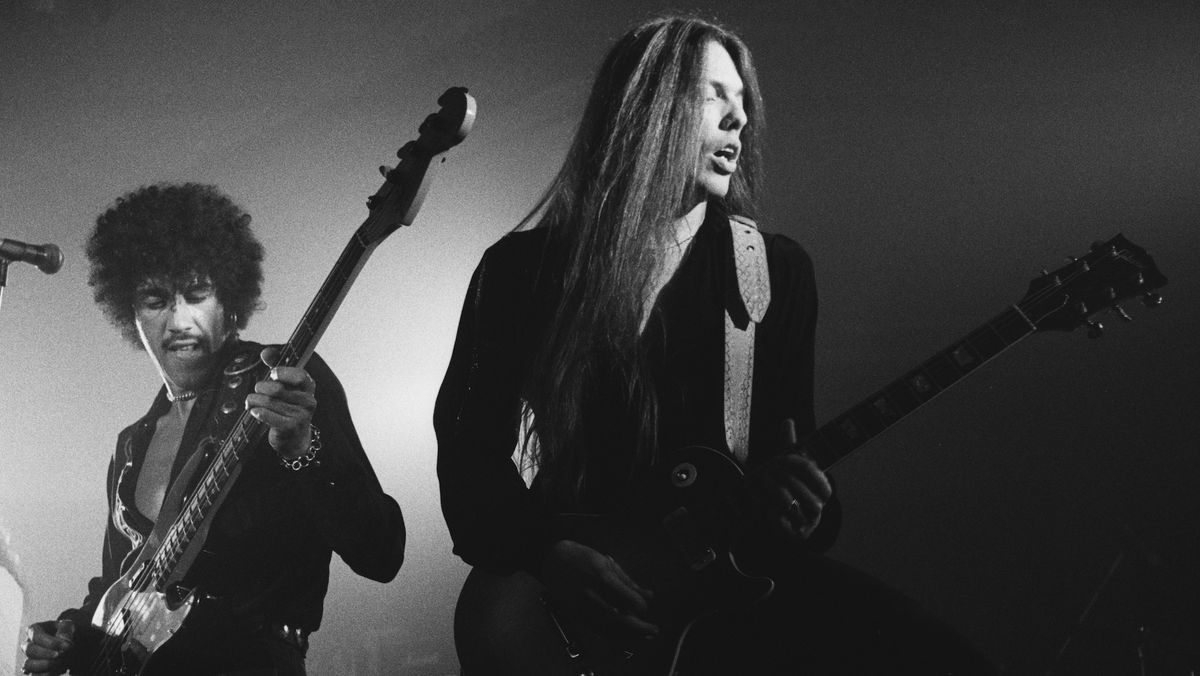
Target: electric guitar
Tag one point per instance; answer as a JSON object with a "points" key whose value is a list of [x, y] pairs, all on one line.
{"points": [[685, 539], [147, 605]]}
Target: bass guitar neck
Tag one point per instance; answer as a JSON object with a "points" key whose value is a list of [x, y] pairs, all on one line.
{"points": [[143, 609]]}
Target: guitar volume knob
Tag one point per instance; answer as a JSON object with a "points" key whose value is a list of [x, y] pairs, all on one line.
{"points": [[683, 475]]}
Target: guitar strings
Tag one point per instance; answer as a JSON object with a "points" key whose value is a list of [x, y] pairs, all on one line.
{"points": [[157, 568]]}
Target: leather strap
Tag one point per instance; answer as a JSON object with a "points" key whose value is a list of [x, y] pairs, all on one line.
{"points": [[754, 285]]}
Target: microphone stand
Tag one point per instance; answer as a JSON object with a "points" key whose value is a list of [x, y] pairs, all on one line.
{"points": [[3, 278], [48, 258]]}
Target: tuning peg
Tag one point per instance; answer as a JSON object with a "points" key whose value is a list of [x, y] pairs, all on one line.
{"points": [[1095, 329], [1152, 299], [383, 170], [1120, 312], [1083, 265]]}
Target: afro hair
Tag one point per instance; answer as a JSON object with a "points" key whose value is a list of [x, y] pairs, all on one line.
{"points": [[174, 232]]}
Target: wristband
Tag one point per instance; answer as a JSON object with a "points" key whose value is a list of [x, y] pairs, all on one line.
{"points": [[309, 458]]}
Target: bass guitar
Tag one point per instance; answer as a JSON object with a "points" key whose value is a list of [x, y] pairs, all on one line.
{"points": [[690, 526], [147, 605]]}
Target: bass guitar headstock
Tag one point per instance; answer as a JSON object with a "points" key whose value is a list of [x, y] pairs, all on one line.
{"points": [[398, 200], [1110, 273]]}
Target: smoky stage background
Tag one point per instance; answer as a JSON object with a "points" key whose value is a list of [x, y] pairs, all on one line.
{"points": [[932, 157]]}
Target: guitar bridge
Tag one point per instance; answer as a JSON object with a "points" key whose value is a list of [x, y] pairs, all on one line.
{"points": [[689, 539]]}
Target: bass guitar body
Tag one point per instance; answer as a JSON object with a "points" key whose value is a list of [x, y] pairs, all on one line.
{"points": [[148, 604], [678, 547], [142, 620]]}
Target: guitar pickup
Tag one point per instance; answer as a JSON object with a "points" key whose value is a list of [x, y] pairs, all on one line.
{"points": [[689, 539]]}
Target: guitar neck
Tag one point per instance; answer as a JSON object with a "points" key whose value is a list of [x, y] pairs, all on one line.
{"points": [[851, 430], [325, 304], [395, 203], [247, 431]]}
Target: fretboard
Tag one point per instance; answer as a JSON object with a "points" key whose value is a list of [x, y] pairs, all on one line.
{"points": [[247, 431], [303, 340], [851, 430]]}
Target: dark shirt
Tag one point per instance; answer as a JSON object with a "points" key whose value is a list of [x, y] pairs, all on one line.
{"points": [[823, 617], [499, 524], [266, 557]]}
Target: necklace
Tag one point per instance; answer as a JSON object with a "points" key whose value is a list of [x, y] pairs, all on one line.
{"points": [[182, 396]]}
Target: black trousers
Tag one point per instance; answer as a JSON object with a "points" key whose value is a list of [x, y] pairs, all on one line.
{"points": [[223, 653]]}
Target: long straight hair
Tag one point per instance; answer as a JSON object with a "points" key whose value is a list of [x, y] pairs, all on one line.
{"points": [[626, 178]]}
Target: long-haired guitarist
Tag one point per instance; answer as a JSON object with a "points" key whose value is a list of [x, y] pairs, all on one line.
{"points": [[178, 271], [608, 329]]}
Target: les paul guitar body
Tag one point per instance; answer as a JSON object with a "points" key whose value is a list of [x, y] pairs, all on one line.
{"points": [[684, 541], [507, 624]]}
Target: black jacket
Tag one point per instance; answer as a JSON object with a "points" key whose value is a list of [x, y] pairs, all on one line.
{"points": [[267, 554], [497, 522]]}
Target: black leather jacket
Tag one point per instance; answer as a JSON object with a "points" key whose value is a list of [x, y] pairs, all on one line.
{"points": [[266, 557]]}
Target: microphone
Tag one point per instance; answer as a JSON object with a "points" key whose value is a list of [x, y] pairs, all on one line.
{"points": [[47, 257]]}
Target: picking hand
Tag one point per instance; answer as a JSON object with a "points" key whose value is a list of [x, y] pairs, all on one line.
{"points": [[47, 647], [595, 587]]}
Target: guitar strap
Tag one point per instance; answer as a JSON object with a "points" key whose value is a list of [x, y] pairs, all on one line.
{"points": [[754, 285]]}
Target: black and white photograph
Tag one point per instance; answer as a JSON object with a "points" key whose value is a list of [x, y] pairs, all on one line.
{"points": [[629, 338]]}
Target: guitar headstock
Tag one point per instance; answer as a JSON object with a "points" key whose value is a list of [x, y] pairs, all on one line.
{"points": [[398, 200], [1110, 273]]}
